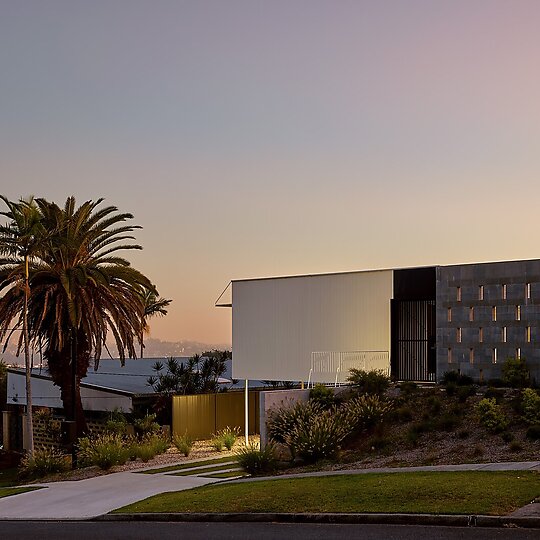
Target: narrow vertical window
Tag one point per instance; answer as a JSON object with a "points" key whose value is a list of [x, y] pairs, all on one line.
{"points": [[458, 335], [518, 313], [504, 334], [494, 313], [528, 334], [471, 356], [528, 291], [449, 314], [471, 314], [481, 292], [504, 291], [481, 335], [518, 353], [458, 294], [494, 355], [449, 355]]}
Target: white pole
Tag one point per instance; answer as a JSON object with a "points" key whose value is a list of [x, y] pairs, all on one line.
{"points": [[247, 411]]}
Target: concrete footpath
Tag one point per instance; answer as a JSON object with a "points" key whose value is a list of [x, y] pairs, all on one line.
{"points": [[84, 499], [93, 497]]}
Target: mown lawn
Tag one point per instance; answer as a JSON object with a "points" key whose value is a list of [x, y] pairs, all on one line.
{"points": [[7, 491], [474, 492], [189, 465], [9, 477]]}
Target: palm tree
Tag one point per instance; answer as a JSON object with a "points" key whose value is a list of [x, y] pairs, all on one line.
{"points": [[80, 290], [153, 305], [20, 240]]}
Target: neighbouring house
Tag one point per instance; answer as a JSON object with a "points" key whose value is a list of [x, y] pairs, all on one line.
{"points": [[415, 323], [112, 387]]}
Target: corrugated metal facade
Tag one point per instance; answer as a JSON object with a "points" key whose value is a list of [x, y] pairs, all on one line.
{"points": [[202, 415], [278, 323]]}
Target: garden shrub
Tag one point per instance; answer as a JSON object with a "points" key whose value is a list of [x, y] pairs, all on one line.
{"points": [[146, 452], [217, 443], [256, 461], [44, 461], [456, 378], [533, 432], [320, 437], [380, 443], [515, 446], [463, 434], [283, 419], [158, 441], [366, 411], [507, 436], [404, 414], [448, 422], [184, 443], [530, 403], [372, 382], [464, 392], [515, 372], [117, 423], [496, 393], [408, 388], [228, 437], [322, 395], [146, 424], [491, 415], [434, 405], [103, 450], [451, 389]]}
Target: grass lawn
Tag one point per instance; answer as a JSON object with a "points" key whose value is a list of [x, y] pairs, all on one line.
{"points": [[473, 492], [202, 470], [7, 491], [8, 477], [230, 474], [190, 465]]}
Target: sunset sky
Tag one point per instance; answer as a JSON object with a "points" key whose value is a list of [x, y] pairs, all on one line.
{"points": [[254, 138]]}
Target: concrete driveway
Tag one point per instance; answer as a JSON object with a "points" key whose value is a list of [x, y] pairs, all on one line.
{"points": [[83, 499]]}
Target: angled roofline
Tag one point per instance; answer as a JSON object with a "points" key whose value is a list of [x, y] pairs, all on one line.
{"points": [[90, 386], [263, 278]]}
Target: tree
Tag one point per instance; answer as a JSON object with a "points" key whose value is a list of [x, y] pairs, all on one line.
{"points": [[21, 239], [153, 305], [198, 375], [81, 290]]}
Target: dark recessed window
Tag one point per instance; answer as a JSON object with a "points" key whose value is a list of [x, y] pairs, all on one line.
{"points": [[471, 356]]}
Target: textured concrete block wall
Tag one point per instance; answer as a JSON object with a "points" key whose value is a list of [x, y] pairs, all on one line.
{"points": [[492, 277]]}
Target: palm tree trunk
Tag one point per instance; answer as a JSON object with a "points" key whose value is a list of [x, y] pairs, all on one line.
{"points": [[28, 367]]}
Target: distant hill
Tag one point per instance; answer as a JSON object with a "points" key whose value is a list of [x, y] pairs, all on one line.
{"points": [[154, 348]]}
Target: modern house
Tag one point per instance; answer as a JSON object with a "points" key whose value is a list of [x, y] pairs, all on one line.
{"points": [[416, 323]]}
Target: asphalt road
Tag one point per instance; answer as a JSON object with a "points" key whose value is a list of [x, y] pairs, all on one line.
{"points": [[19, 530]]}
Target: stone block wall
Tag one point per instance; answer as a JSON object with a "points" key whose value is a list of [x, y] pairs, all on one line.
{"points": [[472, 341]]}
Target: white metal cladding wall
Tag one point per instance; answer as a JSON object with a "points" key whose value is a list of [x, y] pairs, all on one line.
{"points": [[277, 323]]}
